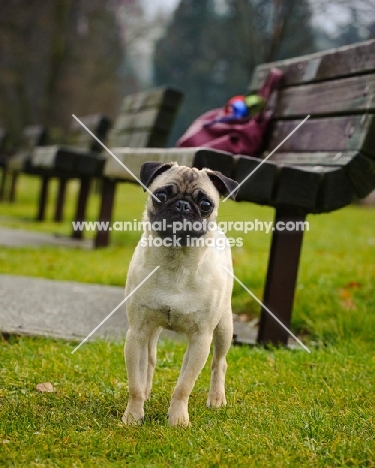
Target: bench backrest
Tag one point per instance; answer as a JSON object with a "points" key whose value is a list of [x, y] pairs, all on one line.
{"points": [[33, 135], [3, 138], [338, 85], [80, 138], [145, 119], [330, 159]]}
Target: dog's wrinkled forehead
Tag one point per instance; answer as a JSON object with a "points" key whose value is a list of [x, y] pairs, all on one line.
{"points": [[186, 179]]}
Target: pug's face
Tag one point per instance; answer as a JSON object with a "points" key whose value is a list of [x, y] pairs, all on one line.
{"points": [[186, 199]]}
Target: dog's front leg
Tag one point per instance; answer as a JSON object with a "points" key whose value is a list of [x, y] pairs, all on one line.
{"points": [[136, 358], [223, 335], [197, 354], [151, 360]]}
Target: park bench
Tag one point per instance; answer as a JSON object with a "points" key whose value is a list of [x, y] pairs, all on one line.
{"points": [[325, 165], [145, 119], [76, 158], [14, 163]]}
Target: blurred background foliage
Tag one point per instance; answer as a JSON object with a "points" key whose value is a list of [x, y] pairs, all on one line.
{"points": [[82, 56]]}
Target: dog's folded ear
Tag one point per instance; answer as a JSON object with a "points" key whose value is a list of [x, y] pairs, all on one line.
{"points": [[224, 185], [150, 170]]}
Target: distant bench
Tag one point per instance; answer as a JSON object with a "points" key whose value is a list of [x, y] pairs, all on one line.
{"points": [[13, 162], [145, 119], [325, 165], [3, 162], [78, 157]]}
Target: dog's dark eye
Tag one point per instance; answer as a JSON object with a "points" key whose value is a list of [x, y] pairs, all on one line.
{"points": [[205, 206], [161, 196]]}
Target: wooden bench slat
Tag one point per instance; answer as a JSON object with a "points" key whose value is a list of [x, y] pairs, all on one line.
{"points": [[129, 139], [259, 187], [66, 161], [326, 134], [361, 171], [133, 158], [137, 139], [336, 191], [90, 121], [324, 158], [3, 141], [80, 138], [158, 139], [33, 135], [119, 140], [80, 141], [276, 185], [216, 160], [145, 119], [44, 156], [90, 165], [166, 97], [339, 97], [313, 191], [344, 62], [297, 188], [155, 117]]}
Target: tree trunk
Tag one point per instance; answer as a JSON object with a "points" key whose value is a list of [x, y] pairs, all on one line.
{"points": [[59, 43]]}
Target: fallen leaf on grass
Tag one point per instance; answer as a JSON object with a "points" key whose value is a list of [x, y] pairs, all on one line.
{"points": [[45, 387], [353, 285], [347, 301]]}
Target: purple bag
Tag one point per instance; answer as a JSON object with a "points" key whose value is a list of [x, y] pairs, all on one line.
{"points": [[234, 135]]}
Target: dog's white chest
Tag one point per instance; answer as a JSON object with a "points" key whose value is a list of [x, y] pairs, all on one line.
{"points": [[177, 319], [184, 306]]}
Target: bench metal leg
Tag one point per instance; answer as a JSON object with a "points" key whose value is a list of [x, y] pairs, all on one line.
{"points": [[83, 195], [3, 183], [281, 280], [43, 198], [60, 200], [13, 186], [105, 214]]}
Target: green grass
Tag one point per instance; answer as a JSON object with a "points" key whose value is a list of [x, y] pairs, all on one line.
{"points": [[284, 408]]}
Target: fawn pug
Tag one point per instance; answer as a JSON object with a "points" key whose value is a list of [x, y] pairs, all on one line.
{"points": [[189, 293]]}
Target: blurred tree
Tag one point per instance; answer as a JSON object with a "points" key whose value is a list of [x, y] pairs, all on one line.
{"points": [[140, 29], [350, 32], [343, 22], [58, 58], [211, 47]]}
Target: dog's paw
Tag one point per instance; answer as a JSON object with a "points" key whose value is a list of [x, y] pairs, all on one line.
{"points": [[217, 399], [178, 417], [131, 419]]}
